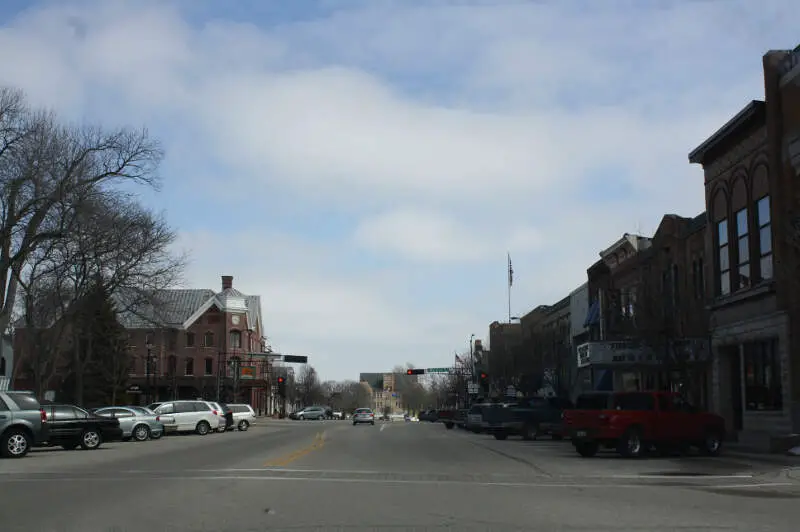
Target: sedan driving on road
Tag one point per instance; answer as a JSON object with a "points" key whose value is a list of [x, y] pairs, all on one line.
{"points": [[363, 415]]}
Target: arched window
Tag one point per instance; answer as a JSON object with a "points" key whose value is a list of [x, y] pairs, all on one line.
{"points": [[236, 339], [172, 365], [148, 339], [189, 366], [208, 339]]}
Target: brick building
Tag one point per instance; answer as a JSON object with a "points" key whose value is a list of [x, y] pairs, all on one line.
{"points": [[647, 319], [194, 343], [551, 343], [750, 170]]}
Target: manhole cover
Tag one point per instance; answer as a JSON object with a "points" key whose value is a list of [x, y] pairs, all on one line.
{"points": [[676, 474]]}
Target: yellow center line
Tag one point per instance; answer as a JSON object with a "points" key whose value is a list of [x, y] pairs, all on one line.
{"points": [[319, 443]]}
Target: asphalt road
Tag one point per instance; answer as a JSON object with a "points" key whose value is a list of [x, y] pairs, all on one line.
{"points": [[401, 476]]}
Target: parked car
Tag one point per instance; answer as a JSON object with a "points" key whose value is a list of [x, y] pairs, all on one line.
{"points": [[22, 423], [190, 416], [70, 426], [137, 423], [633, 422], [243, 416]]}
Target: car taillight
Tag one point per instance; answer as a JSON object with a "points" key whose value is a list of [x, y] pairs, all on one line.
{"points": [[43, 414], [158, 418], [214, 412]]}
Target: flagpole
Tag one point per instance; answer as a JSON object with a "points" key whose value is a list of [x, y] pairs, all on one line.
{"points": [[510, 282]]}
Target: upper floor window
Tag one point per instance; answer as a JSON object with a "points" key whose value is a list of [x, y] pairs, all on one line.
{"points": [[189, 339], [743, 249], [208, 339], [764, 222], [189, 366], [148, 339], [698, 281], [236, 339], [724, 263], [209, 369], [172, 365]]}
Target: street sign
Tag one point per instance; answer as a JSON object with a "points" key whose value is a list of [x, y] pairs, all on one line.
{"points": [[437, 370], [511, 391], [295, 358], [472, 388]]}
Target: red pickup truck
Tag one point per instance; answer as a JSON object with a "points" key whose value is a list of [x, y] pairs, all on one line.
{"points": [[632, 422]]}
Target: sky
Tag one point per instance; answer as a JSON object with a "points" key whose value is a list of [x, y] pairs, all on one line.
{"points": [[365, 166]]}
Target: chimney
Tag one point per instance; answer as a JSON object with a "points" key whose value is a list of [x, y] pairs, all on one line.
{"points": [[227, 281]]}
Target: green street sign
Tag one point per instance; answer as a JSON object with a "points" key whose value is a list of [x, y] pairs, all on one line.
{"points": [[437, 370]]}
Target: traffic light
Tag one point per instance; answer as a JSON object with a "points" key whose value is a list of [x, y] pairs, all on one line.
{"points": [[484, 376], [282, 386], [415, 371]]}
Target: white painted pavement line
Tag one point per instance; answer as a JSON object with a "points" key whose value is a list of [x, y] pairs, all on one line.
{"points": [[670, 476], [228, 478]]}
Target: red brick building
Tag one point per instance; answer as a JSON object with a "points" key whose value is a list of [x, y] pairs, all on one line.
{"points": [[195, 343], [647, 317], [750, 173]]}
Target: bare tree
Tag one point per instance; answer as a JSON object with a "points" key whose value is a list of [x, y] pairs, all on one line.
{"points": [[309, 390], [47, 171]]}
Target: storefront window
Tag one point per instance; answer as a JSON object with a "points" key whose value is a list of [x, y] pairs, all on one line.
{"points": [[762, 375]]}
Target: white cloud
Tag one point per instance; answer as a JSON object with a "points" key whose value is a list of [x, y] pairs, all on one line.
{"points": [[429, 134], [429, 236]]}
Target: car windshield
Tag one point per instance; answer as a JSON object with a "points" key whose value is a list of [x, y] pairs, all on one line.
{"points": [[363, 411]]}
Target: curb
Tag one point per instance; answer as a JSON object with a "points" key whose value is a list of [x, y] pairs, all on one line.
{"points": [[787, 460]]}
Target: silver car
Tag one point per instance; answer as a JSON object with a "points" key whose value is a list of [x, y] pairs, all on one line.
{"points": [[363, 415], [136, 422]]}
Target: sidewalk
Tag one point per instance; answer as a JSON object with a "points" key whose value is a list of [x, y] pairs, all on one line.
{"points": [[743, 452]]}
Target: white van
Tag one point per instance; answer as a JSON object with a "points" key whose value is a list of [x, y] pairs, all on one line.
{"points": [[189, 416]]}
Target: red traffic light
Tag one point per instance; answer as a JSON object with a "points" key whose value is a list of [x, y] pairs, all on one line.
{"points": [[483, 376], [409, 372], [280, 380]]}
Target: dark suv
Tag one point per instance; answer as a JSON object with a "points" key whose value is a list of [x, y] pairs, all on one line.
{"points": [[23, 423]]}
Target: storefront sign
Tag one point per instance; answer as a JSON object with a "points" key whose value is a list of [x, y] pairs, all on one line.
{"points": [[613, 353], [247, 372]]}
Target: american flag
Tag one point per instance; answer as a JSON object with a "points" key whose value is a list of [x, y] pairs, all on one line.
{"points": [[510, 272]]}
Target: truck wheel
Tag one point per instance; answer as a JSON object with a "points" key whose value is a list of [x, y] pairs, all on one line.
{"points": [[631, 445], [500, 436], [587, 449], [448, 426]]}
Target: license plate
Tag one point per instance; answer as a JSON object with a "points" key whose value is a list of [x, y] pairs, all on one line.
{"points": [[581, 434]]}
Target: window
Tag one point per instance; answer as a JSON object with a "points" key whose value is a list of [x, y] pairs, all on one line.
{"points": [[723, 258], [743, 250], [189, 339], [701, 279], [698, 282], [209, 369], [148, 339], [189, 366], [675, 298], [2, 366], [236, 339], [172, 365], [764, 222], [762, 375], [208, 339]]}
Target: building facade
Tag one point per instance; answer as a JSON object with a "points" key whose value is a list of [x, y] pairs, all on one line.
{"points": [[750, 173], [552, 345], [190, 343], [647, 319]]}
